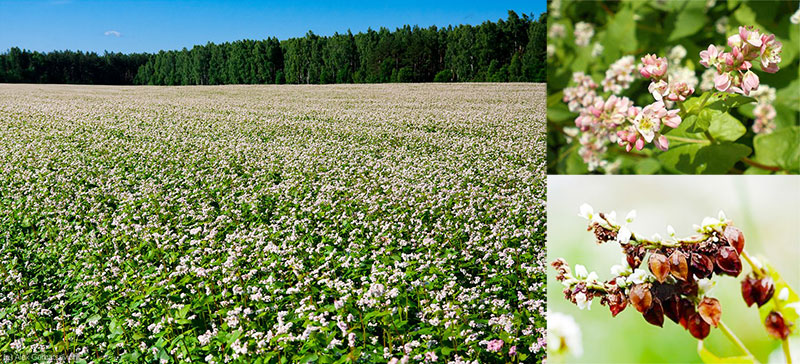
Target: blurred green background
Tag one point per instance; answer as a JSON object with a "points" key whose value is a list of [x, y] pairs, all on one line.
{"points": [[766, 208]]}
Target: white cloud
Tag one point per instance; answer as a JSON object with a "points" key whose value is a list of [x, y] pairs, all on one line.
{"points": [[113, 32]]}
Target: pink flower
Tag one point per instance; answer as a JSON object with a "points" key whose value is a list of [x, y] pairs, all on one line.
{"points": [[749, 36], [661, 142], [653, 66], [648, 122], [770, 53], [495, 345], [672, 119], [749, 82], [722, 82], [512, 350], [658, 89], [708, 57], [431, 357], [394, 361], [679, 91]]}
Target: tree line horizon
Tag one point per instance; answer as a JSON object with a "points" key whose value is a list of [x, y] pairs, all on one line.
{"points": [[510, 50]]}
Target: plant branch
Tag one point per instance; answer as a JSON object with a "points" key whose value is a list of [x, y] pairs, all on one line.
{"points": [[729, 334], [756, 269], [753, 163], [687, 140], [786, 353]]}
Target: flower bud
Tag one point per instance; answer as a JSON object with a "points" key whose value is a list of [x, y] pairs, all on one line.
{"points": [[655, 314], [678, 266], [728, 262], [659, 266], [641, 297], [735, 237], [776, 326], [698, 327], [710, 310]]}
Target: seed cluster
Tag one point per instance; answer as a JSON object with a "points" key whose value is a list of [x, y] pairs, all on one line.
{"points": [[369, 223], [678, 270]]}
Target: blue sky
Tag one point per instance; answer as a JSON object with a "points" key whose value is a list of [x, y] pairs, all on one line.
{"points": [[147, 26]]}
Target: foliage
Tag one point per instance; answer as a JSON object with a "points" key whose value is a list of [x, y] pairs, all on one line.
{"points": [[272, 224], [720, 132], [408, 54]]}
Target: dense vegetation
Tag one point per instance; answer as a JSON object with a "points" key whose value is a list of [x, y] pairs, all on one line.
{"points": [[272, 224], [513, 49]]}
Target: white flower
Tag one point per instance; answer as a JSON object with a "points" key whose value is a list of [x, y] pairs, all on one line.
{"points": [[583, 33], [592, 277], [630, 216], [639, 276], [586, 211], [623, 269], [656, 237], [581, 272], [704, 285], [597, 50], [677, 54], [612, 217], [563, 334], [582, 302], [784, 295], [793, 305], [721, 216], [621, 282], [671, 230], [624, 235], [708, 225], [795, 19]]}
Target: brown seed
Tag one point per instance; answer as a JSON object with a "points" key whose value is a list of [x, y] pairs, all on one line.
{"points": [[685, 312], [764, 289], [655, 314], [728, 262], [735, 237], [640, 297], [710, 310], [678, 266], [671, 307], [702, 266], [616, 303], [659, 265], [758, 291], [748, 283], [776, 326], [698, 327]]}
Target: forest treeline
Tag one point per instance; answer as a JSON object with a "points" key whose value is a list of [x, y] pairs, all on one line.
{"points": [[511, 49]]}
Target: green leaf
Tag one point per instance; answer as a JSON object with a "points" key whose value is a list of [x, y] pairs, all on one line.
{"points": [[708, 357], [648, 166], [694, 158], [689, 21], [780, 148], [725, 127], [559, 113], [574, 163], [308, 358], [621, 32]]}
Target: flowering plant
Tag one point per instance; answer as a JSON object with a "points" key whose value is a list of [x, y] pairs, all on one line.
{"points": [[730, 120], [672, 277]]}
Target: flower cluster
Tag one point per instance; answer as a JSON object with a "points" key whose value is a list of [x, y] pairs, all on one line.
{"points": [[733, 72], [583, 33], [661, 276], [764, 111], [603, 121], [661, 86]]}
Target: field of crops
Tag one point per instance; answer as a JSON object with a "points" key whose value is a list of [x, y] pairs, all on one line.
{"points": [[363, 223]]}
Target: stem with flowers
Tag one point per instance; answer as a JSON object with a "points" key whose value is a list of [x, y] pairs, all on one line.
{"points": [[672, 278]]}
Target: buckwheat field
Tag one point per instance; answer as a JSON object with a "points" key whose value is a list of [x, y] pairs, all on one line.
{"points": [[274, 224]]}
